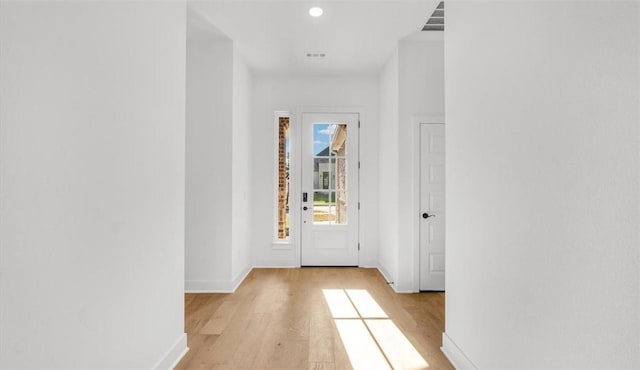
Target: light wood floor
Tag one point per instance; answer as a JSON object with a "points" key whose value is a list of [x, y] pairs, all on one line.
{"points": [[279, 319]]}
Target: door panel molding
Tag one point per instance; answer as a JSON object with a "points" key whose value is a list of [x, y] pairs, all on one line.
{"points": [[418, 120], [319, 252], [432, 203]]}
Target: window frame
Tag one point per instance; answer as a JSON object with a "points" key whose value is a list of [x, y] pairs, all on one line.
{"points": [[277, 242]]}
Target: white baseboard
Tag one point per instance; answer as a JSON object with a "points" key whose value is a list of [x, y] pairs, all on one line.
{"points": [[276, 267], [240, 278], [216, 286], [403, 288], [230, 286], [387, 279], [455, 355], [276, 263], [174, 355], [208, 286]]}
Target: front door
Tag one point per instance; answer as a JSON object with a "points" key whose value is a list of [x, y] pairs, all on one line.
{"points": [[432, 257], [329, 215]]}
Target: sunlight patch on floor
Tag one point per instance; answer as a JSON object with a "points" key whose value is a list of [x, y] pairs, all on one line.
{"points": [[339, 304], [400, 352], [370, 338], [362, 350], [365, 304]]}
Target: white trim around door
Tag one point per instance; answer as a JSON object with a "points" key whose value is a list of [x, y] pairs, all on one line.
{"points": [[296, 172], [329, 215], [416, 122]]}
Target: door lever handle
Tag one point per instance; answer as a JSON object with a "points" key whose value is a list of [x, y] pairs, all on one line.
{"points": [[426, 215]]}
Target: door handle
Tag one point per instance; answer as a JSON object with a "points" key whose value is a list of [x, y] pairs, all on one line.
{"points": [[426, 215], [305, 208]]}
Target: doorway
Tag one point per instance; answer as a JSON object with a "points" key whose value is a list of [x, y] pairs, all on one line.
{"points": [[330, 180], [432, 207]]}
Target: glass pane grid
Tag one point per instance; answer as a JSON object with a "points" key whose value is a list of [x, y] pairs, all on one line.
{"points": [[330, 173]]}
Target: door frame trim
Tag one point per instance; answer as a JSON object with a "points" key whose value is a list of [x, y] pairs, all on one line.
{"points": [[418, 120], [296, 172]]}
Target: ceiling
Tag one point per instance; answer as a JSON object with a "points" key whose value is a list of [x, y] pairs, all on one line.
{"points": [[274, 37]]}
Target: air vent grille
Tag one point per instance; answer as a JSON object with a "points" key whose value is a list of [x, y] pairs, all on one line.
{"points": [[436, 21], [315, 54]]}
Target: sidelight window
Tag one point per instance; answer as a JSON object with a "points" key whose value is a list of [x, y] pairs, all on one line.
{"points": [[283, 178]]}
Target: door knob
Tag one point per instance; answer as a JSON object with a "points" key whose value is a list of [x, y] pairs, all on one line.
{"points": [[426, 215], [305, 208]]}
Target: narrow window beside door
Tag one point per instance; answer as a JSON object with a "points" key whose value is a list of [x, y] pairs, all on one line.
{"points": [[283, 178]]}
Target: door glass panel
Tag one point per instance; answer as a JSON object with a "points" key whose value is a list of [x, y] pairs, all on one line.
{"points": [[323, 207], [329, 139], [323, 173], [330, 173], [339, 140], [322, 135], [340, 174], [340, 214]]}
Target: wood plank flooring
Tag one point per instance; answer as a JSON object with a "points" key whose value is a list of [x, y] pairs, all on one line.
{"points": [[280, 319]]}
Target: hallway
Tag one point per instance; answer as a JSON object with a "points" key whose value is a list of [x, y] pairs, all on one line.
{"points": [[280, 319], [140, 160]]}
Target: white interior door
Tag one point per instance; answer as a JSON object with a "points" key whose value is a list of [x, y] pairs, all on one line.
{"points": [[432, 181], [329, 207]]}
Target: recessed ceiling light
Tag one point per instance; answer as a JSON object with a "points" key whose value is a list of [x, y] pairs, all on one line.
{"points": [[315, 11]]}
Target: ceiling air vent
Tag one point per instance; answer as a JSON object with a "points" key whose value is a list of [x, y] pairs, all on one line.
{"points": [[315, 54], [436, 22]]}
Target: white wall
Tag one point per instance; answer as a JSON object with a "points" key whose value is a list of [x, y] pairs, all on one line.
{"points": [[542, 184], [91, 184], [421, 93], [218, 204], [241, 169], [209, 163], [411, 84], [272, 94], [388, 169]]}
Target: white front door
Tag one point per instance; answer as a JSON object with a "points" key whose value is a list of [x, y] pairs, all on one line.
{"points": [[432, 256], [329, 207]]}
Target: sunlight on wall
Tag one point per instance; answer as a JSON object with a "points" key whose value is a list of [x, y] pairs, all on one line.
{"points": [[370, 338]]}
